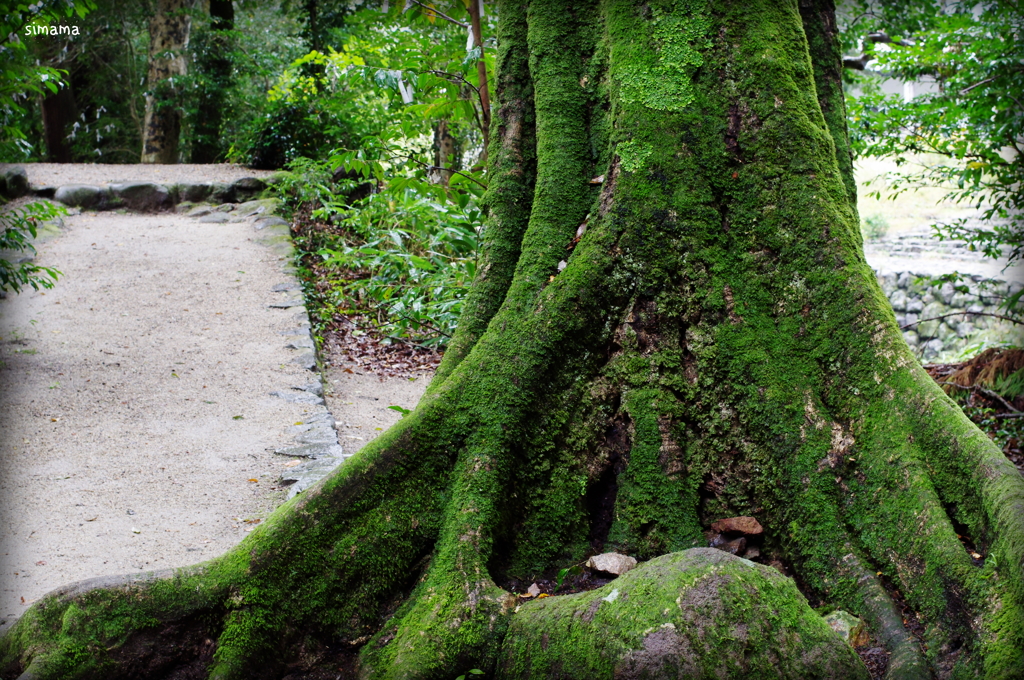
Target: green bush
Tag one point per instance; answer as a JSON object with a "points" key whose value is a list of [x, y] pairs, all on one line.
{"points": [[16, 228], [874, 227]]}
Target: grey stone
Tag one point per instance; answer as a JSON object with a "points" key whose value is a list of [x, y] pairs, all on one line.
{"points": [[199, 211], [303, 476], [301, 330], [911, 319], [914, 304], [931, 348], [194, 192], [911, 338], [904, 280], [83, 196], [270, 221], [283, 287], [318, 436], [298, 397], [947, 292], [14, 182], [301, 343], [964, 329], [312, 451], [898, 300], [287, 304], [42, 192], [322, 417], [143, 196], [224, 207], [930, 329], [976, 308], [214, 218], [307, 361], [313, 388], [222, 193], [247, 188]]}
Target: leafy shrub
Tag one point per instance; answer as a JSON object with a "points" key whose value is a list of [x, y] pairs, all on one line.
{"points": [[16, 228]]}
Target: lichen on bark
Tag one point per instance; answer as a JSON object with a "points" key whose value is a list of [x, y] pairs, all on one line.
{"points": [[714, 346]]}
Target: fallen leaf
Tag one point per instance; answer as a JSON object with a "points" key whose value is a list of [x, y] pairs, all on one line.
{"points": [[543, 595], [41, 563], [533, 590], [254, 480], [237, 417], [93, 519]]}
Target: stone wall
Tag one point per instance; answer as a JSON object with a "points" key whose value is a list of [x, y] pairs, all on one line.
{"points": [[918, 303]]}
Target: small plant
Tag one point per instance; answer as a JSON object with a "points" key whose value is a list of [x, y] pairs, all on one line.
{"points": [[17, 227], [874, 227]]}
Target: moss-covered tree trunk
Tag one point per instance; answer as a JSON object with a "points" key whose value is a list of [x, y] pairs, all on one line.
{"points": [[168, 38], [673, 324]]}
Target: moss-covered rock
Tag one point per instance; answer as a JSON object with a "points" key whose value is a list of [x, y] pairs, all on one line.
{"points": [[699, 613]]}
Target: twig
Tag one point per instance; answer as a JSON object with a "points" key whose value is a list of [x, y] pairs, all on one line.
{"points": [[977, 84], [987, 393], [439, 13], [936, 318], [428, 166]]}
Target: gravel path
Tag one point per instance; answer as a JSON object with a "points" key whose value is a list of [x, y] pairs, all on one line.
{"points": [[56, 174], [137, 427]]}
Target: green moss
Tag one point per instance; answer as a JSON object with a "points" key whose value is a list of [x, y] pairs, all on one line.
{"points": [[696, 614]]}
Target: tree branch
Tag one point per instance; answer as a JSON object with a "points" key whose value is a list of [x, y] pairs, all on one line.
{"points": [[439, 13], [936, 318]]}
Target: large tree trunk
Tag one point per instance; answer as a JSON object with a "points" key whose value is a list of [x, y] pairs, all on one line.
{"points": [[168, 38], [715, 345]]}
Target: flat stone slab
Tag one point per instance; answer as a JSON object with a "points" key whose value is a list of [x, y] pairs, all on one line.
{"points": [[312, 451], [303, 476], [214, 218], [270, 221], [301, 343], [287, 304], [299, 397], [285, 287]]}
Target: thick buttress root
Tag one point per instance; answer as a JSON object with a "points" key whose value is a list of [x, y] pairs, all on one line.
{"points": [[713, 345]]}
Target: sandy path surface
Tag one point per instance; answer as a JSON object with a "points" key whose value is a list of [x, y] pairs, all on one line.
{"points": [[137, 426], [56, 174]]}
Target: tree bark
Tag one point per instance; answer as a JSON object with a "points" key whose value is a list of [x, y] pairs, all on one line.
{"points": [[673, 323], [168, 38], [59, 114], [216, 67]]}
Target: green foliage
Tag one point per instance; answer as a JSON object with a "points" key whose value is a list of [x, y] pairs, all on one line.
{"points": [[412, 255], [973, 121], [16, 228], [22, 78], [874, 227]]}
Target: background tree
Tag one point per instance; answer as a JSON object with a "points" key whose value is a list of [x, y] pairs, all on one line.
{"points": [[672, 323], [168, 38], [212, 63]]}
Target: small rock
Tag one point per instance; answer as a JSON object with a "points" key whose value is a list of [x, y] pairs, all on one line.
{"points": [[214, 218], [222, 193], [734, 547], [283, 287], [247, 187], [611, 563], [313, 388], [533, 590], [199, 211], [301, 343], [269, 221], [742, 525], [298, 397], [301, 477], [848, 627], [194, 192], [285, 304], [307, 361], [752, 553], [333, 450]]}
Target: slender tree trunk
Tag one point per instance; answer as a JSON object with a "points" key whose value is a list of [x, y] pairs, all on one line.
{"points": [[216, 66], [481, 69], [59, 113], [444, 152], [673, 323], [168, 38]]}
